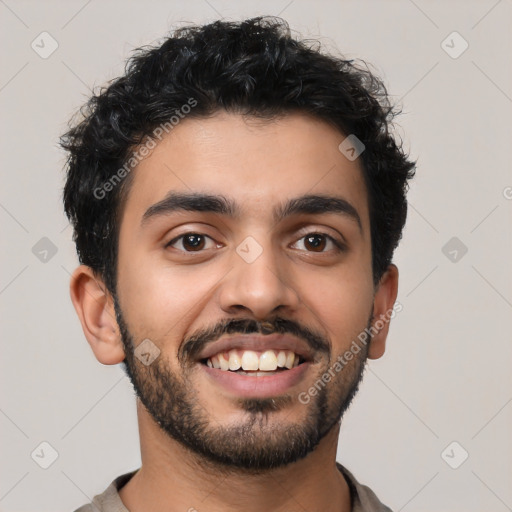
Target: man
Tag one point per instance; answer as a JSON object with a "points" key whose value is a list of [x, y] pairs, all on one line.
{"points": [[236, 200]]}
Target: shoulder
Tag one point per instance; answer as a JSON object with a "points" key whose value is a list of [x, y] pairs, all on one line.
{"points": [[109, 500], [86, 508], [363, 498]]}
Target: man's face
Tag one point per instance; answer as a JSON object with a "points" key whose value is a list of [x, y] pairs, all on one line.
{"points": [[264, 286]]}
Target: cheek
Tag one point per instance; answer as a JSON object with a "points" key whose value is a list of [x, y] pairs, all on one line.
{"points": [[341, 303], [162, 300]]}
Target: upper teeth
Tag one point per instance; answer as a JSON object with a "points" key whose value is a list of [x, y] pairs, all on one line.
{"points": [[269, 360]]}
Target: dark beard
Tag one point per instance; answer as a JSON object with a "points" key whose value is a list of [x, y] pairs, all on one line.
{"points": [[257, 443]]}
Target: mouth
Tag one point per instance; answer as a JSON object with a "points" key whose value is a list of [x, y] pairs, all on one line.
{"points": [[252, 363], [256, 374]]}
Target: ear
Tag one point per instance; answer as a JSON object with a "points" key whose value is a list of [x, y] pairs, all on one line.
{"points": [[384, 299], [95, 308]]}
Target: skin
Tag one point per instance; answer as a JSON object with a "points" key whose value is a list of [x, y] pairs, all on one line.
{"points": [[166, 294]]}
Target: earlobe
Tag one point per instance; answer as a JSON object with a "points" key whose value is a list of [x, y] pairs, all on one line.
{"points": [[385, 298], [95, 309]]}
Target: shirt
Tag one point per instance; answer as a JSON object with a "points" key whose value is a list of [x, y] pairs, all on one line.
{"points": [[363, 499]]}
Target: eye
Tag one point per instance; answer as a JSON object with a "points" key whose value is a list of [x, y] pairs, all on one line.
{"points": [[317, 242], [192, 242]]}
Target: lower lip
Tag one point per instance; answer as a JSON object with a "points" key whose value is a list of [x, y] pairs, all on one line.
{"points": [[257, 387]]}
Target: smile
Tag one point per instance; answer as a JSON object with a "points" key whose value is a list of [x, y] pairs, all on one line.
{"points": [[249, 374], [254, 363]]}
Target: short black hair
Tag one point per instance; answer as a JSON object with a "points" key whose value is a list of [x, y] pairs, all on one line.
{"points": [[252, 67]]}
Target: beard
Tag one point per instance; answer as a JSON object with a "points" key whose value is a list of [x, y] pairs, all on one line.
{"points": [[259, 442]]}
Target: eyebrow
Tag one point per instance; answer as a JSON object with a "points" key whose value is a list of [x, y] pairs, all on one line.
{"points": [[219, 204]]}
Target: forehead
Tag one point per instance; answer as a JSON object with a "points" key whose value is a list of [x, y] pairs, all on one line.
{"points": [[256, 164]]}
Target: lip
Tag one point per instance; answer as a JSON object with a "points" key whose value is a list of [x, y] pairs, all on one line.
{"points": [[257, 387], [258, 343]]}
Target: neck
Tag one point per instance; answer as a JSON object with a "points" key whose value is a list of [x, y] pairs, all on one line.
{"points": [[173, 478]]}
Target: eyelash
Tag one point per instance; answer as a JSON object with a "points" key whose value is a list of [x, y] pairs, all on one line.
{"points": [[340, 246]]}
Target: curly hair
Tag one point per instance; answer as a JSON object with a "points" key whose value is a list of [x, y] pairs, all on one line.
{"points": [[253, 67]]}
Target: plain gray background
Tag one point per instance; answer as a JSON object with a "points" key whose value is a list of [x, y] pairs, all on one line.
{"points": [[446, 374]]}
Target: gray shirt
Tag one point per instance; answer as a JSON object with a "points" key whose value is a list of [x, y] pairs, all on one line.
{"points": [[363, 499]]}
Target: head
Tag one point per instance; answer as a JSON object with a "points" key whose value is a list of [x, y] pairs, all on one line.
{"points": [[212, 196]]}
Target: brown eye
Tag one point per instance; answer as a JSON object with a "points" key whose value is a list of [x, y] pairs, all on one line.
{"points": [[190, 242], [315, 242], [193, 242], [320, 242]]}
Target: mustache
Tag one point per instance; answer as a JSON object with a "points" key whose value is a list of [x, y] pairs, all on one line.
{"points": [[193, 345]]}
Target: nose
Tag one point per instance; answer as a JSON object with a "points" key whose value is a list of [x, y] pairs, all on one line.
{"points": [[259, 286]]}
